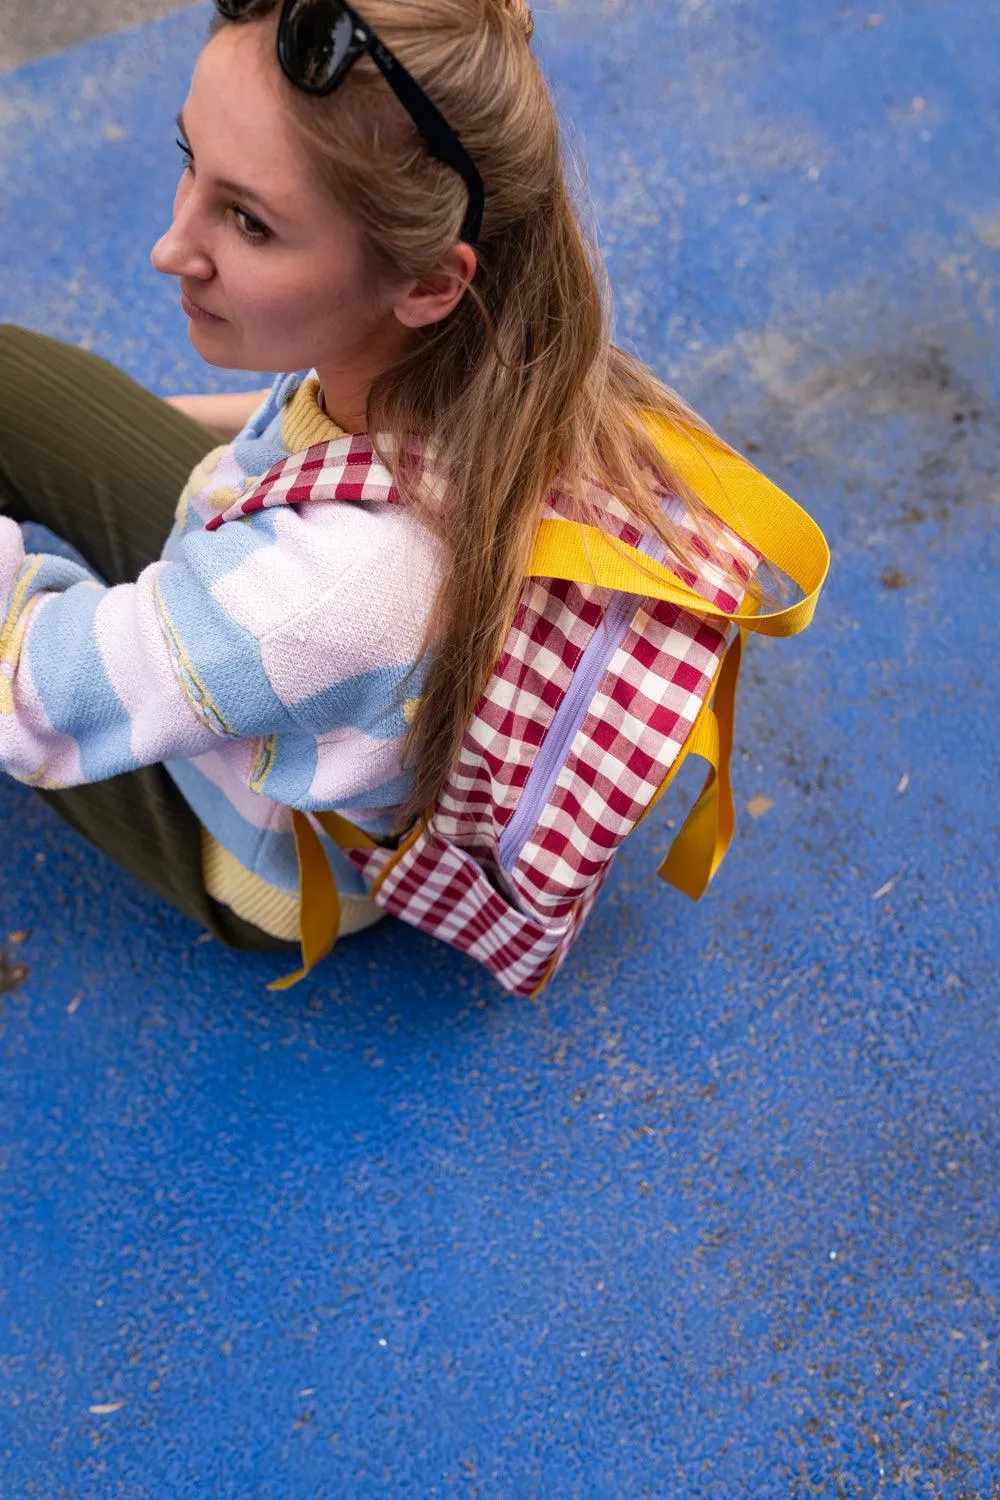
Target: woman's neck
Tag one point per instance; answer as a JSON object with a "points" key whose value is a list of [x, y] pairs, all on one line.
{"points": [[347, 414], [345, 387]]}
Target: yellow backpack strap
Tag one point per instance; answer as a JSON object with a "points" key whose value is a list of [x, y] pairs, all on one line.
{"points": [[755, 508], [778, 528], [700, 846], [739, 495], [319, 900]]}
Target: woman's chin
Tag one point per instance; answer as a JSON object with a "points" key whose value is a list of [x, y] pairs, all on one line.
{"points": [[208, 340]]}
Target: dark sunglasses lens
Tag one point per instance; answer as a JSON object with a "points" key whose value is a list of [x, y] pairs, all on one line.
{"points": [[317, 38]]}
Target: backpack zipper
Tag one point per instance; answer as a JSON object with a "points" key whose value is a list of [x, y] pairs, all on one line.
{"points": [[551, 757]]}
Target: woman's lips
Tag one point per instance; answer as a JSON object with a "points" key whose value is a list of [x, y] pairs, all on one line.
{"points": [[199, 313]]}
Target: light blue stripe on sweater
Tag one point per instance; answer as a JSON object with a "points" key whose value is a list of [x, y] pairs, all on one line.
{"points": [[217, 660], [390, 794], [370, 701], [72, 683], [291, 770], [56, 572], [282, 389], [216, 553], [345, 876], [257, 455], [290, 776], [263, 850], [38, 538]]}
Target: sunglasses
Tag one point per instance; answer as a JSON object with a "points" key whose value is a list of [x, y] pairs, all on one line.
{"points": [[319, 41]]}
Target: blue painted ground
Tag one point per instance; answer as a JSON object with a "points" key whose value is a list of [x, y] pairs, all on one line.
{"points": [[718, 1216]]}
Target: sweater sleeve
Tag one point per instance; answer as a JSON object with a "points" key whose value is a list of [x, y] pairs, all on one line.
{"points": [[97, 681]]}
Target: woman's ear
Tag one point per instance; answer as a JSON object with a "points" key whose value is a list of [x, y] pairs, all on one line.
{"points": [[434, 296]]}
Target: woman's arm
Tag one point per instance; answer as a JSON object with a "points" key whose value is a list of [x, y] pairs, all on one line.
{"points": [[227, 415], [97, 681]]}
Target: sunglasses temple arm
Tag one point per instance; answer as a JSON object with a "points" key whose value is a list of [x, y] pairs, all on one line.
{"points": [[437, 133]]}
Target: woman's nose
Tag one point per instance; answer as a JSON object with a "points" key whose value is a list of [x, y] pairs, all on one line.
{"points": [[177, 253]]}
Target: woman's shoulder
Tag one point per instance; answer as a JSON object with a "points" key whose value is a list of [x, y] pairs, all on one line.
{"points": [[273, 566]]}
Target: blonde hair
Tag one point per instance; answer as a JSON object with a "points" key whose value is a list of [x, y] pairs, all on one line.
{"points": [[521, 383]]}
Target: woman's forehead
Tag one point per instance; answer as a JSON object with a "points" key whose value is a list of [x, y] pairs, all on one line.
{"points": [[239, 128]]}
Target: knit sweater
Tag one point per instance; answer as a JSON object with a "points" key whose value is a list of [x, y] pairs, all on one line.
{"points": [[271, 664]]}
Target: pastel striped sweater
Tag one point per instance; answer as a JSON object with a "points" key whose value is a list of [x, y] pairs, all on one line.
{"points": [[270, 664]]}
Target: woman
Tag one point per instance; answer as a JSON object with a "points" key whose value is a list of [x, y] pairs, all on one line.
{"points": [[378, 200]]}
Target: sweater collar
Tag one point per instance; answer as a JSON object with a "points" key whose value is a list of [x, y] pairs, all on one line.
{"points": [[304, 422], [341, 468]]}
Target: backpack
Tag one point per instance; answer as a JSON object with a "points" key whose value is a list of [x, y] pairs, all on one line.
{"points": [[587, 717]]}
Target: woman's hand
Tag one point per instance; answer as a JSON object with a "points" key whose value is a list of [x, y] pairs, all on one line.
{"points": [[227, 415]]}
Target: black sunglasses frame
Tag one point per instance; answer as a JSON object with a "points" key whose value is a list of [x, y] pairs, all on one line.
{"points": [[439, 138]]}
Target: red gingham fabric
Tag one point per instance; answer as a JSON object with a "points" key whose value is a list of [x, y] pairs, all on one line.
{"points": [[521, 922]]}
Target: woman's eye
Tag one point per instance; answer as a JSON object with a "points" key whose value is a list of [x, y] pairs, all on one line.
{"points": [[250, 228]]}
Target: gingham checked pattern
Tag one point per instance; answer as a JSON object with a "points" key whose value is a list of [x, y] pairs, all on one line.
{"points": [[637, 724], [552, 627], [442, 889], [635, 729], [344, 469], [446, 881]]}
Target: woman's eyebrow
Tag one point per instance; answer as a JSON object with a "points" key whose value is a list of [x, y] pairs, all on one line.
{"points": [[231, 187]]}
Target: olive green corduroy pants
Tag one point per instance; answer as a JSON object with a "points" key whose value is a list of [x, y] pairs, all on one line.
{"points": [[100, 461]]}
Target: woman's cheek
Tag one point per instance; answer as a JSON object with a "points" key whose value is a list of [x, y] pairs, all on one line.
{"points": [[257, 308], [278, 301]]}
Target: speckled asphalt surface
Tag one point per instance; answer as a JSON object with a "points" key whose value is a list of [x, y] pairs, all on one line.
{"points": [[718, 1215], [29, 30]]}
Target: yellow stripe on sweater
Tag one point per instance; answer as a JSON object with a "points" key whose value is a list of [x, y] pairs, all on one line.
{"points": [[273, 910], [255, 900], [304, 422], [192, 684]]}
